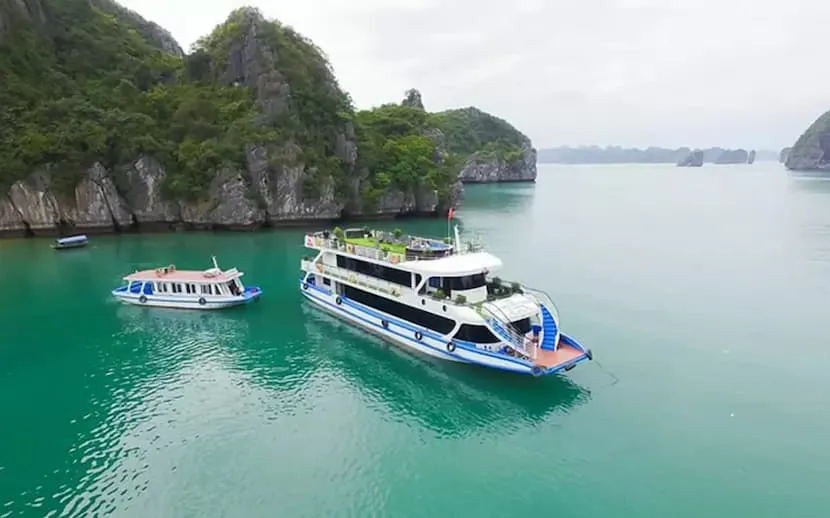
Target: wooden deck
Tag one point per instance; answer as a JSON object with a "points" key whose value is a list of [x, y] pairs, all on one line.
{"points": [[564, 353]]}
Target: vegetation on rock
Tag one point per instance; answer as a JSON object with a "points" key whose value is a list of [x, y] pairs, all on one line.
{"points": [[86, 82], [90, 88], [469, 130], [395, 147]]}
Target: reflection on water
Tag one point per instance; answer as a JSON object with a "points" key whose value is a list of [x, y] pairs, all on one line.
{"points": [[163, 367], [450, 399], [498, 197]]}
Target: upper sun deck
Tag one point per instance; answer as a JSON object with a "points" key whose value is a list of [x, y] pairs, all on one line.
{"points": [[406, 251], [170, 273]]}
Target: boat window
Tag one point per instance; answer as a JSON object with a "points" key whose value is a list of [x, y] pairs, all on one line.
{"points": [[522, 326], [477, 334], [375, 270], [187, 288], [135, 286], [205, 289], [326, 281], [233, 287], [468, 282], [177, 288], [417, 316]]}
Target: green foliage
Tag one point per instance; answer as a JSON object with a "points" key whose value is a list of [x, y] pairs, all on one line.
{"points": [[470, 130], [92, 89], [393, 146], [316, 110]]}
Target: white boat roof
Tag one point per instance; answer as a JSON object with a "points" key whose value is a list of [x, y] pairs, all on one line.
{"points": [[204, 276], [455, 265]]}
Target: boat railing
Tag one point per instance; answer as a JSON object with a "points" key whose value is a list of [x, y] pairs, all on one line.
{"points": [[542, 297], [500, 322], [382, 254], [378, 254], [359, 279]]}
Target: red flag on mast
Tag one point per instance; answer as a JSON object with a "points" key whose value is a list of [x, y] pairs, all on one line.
{"points": [[451, 213]]}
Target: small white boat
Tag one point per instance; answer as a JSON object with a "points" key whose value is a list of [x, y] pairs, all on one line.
{"points": [[65, 243], [186, 289]]}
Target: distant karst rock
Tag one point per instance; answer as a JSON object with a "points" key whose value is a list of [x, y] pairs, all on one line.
{"points": [[751, 158], [785, 153], [812, 149], [733, 156], [413, 99], [693, 159]]}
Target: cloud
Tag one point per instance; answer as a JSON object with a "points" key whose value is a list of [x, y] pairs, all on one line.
{"points": [[629, 72]]}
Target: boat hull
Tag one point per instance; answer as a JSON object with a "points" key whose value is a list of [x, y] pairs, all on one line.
{"points": [[251, 294], [410, 336], [70, 246]]}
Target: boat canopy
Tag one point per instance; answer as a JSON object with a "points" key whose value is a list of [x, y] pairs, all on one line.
{"points": [[455, 265], [71, 239]]}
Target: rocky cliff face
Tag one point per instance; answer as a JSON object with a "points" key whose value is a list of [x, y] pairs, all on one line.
{"points": [[751, 158], [812, 149], [306, 170], [483, 167], [693, 159], [784, 154]]}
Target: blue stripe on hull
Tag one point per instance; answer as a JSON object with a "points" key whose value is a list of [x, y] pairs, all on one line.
{"points": [[249, 295]]}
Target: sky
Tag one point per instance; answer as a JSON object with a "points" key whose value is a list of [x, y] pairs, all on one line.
{"points": [[698, 73]]}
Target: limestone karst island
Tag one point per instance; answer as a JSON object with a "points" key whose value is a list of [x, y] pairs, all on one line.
{"points": [[108, 125]]}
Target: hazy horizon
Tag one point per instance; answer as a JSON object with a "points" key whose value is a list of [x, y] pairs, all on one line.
{"points": [[633, 73]]}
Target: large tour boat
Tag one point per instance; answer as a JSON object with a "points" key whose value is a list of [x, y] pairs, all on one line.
{"points": [[437, 297], [186, 289]]}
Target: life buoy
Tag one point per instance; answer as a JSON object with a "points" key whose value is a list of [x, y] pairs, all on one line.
{"points": [[418, 335], [385, 324], [320, 267], [338, 300], [536, 371], [202, 301], [142, 299], [451, 346], [305, 285]]}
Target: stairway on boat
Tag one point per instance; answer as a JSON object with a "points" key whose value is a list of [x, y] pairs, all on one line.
{"points": [[499, 314], [549, 329]]}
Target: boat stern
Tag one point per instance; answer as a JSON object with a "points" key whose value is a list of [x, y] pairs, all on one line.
{"points": [[252, 293], [567, 354]]}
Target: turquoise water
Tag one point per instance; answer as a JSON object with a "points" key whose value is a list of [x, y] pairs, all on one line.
{"points": [[703, 294]]}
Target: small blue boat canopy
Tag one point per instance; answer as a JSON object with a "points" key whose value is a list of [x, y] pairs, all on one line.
{"points": [[71, 239]]}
